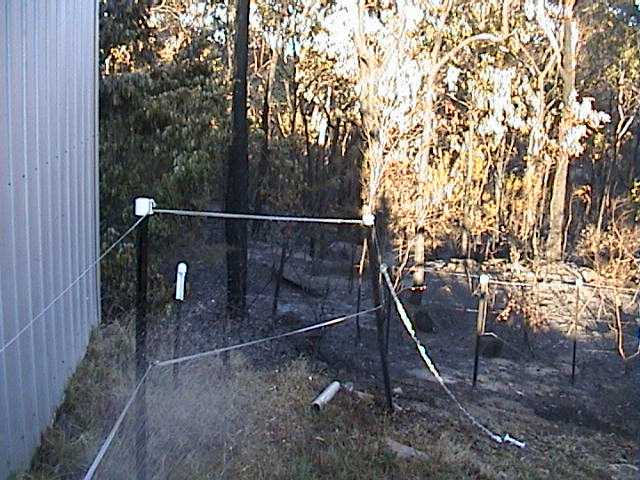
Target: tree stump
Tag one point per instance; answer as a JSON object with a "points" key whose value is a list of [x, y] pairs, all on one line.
{"points": [[491, 347]]}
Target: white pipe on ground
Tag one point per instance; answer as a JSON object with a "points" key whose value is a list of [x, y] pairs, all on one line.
{"points": [[326, 395]]}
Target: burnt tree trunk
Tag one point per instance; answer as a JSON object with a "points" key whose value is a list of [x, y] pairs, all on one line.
{"points": [[308, 200], [265, 151], [237, 172], [279, 274]]}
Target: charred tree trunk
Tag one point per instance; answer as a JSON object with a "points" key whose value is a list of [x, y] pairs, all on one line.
{"points": [[237, 168], [265, 151], [263, 164], [310, 182], [279, 274]]}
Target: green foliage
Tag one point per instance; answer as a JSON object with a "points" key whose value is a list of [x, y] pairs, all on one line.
{"points": [[163, 128], [163, 134]]}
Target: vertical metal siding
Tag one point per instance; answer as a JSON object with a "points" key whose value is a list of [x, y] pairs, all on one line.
{"points": [[48, 210]]}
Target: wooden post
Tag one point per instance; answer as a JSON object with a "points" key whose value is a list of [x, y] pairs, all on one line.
{"points": [[374, 271], [141, 353], [480, 322], [574, 330]]}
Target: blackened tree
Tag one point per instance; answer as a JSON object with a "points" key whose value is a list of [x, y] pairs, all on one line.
{"points": [[237, 171]]}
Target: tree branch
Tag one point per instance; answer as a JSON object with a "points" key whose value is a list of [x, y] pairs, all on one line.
{"points": [[481, 37]]}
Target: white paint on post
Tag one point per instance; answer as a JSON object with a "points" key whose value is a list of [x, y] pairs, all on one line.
{"points": [[482, 303]]}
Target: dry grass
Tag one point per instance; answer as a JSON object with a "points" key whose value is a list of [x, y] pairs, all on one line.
{"points": [[93, 398]]}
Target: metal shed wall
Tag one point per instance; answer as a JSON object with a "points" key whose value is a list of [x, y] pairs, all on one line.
{"points": [[48, 210]]}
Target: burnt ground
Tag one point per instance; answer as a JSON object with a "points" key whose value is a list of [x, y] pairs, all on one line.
{"points": [[525, 391]]}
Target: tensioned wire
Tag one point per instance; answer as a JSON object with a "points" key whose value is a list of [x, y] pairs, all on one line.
{"points": [[72, 284], [267, 218], [506, 438], [217, 351], [511, 283], [114, 430]]}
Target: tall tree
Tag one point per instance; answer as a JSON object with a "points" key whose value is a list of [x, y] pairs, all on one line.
{"points": [[568, 74], [236, 199]]}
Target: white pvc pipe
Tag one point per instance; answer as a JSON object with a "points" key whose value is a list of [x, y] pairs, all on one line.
{"points": [[326, 395], [181, 275]]}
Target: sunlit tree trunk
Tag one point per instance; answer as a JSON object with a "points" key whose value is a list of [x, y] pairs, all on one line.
{"points": [[423, 161], [559, 189], [466, 212]]}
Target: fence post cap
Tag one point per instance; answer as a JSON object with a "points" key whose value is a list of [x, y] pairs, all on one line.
{"points": [[144, 206], [484, 280], [368, 218]]}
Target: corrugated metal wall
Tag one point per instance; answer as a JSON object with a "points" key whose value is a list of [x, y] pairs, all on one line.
{"points": [[48, 210]]}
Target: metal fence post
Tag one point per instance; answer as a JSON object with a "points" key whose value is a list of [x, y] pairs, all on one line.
{"points": [[361, 267], [480, 322], [374, 271], [388, 308], [575, 330], [143, 208], [181, 278]]}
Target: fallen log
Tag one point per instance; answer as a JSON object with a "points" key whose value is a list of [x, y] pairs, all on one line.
{"points": [[295, 285]]}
